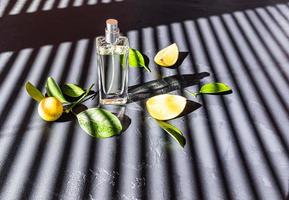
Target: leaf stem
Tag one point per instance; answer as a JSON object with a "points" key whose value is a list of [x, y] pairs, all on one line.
{"points": [[147, 68], [192, 93], [92, 96]]}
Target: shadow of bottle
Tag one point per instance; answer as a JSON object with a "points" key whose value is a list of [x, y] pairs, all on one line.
{"points": [[161, 86]]}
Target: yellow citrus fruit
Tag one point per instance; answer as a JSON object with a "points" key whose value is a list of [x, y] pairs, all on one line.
{"points": [[167, 56], [166, 106], [50, 109]]}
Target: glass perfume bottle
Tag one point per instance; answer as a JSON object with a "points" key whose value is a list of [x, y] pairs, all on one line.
{"points": [[112, 59]]}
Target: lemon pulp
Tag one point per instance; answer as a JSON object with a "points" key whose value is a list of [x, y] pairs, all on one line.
{"points": [[166, 106], [167, 56]]}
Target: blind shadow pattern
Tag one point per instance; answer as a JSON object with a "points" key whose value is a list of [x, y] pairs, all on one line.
{"points": [[237, 145]]}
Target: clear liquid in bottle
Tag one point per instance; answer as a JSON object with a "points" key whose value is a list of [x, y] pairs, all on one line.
{"points": [[113, 74]]}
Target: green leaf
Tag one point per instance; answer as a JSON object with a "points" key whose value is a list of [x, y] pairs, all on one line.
{"points": [[214, 88], [173, 131], [136, 59], [80, 99], [33, 92], [99, 123], [54, 90], [72, 90]]}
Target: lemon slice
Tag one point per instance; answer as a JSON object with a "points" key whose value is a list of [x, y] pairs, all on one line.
{"points": [[167, 56], [166, 106]]}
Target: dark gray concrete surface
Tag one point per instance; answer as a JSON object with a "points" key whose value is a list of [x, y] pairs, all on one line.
{"points": [[237, 145]]}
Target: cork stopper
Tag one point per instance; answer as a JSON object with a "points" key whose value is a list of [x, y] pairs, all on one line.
{"points": [[111, 24]]}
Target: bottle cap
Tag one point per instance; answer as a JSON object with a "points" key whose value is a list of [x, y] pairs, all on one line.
{"points": [[111, 31]]}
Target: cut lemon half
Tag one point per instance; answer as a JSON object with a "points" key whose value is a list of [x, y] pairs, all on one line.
{"points": [[168, 56], [166, 106]]}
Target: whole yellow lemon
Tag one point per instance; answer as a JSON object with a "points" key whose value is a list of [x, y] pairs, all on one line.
{"points": [[50, 109]]}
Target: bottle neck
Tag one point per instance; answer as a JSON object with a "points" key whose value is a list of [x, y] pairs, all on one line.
{"points": [[111, 36]]}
